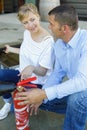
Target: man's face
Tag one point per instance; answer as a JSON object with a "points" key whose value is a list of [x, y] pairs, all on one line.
{"points": [[55, 27]]}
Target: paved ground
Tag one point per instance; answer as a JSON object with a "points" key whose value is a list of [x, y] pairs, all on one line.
{"points": [[11, 31], [43, 121]]}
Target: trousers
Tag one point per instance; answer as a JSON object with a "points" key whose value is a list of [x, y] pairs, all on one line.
{"points": [[73, 106], [9, 75]]}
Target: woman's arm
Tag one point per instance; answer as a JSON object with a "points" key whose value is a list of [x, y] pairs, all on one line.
{"points": [[11, 49], [27, 72]]}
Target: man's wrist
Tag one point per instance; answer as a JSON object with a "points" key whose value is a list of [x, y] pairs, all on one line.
{"points": [[45, 100], [44, 96]]}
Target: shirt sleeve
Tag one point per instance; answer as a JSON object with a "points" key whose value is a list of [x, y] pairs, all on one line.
{"points": [[56, 76], [76, 84]]}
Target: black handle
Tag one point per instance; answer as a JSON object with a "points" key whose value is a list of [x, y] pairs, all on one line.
{"points": [[2, 50], [5, 88]]}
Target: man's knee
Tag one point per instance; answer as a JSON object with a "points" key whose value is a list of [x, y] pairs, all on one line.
{"points": [[78, 100], [72, 101]]}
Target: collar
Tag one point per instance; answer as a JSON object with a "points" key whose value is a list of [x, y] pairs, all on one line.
{"points": [[74, 41]]}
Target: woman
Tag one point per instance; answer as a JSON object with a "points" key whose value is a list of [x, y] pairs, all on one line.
{"points": [[35, 55]]}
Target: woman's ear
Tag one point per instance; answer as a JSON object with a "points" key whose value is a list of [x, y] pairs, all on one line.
{"points": [[39, 17]]}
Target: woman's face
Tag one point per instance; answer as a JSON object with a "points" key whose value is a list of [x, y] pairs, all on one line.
{"points": [[31, 22]]}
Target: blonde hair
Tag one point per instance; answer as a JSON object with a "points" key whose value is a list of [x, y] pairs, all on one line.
{"points": [[24, 10]]}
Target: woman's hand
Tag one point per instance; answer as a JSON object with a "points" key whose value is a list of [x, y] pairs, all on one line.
{"points": [[8, 49], [27, 72]]}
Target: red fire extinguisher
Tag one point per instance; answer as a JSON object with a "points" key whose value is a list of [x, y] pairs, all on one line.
{"points": [[22, 112]]}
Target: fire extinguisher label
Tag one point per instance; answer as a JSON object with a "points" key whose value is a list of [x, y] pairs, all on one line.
{"points": [[22, 120]]}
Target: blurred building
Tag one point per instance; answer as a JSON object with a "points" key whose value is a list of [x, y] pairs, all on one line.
{"points": [[9, 6], [80, 5]]}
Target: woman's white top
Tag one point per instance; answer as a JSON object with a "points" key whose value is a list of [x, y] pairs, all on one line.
{"points": [[37, 54]]}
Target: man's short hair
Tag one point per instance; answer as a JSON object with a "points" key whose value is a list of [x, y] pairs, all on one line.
{"points": [[65, 14]]}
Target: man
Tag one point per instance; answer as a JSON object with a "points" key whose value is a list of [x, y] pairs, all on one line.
{"points": [[71, 60]]}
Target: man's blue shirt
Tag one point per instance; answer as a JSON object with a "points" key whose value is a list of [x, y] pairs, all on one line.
{"points": [[71, 60]]}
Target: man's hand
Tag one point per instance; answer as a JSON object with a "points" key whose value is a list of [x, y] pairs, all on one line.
{"points": [[34, 108], [32, 96]]}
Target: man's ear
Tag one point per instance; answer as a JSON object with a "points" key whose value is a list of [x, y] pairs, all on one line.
{"points": [[65, 28]]}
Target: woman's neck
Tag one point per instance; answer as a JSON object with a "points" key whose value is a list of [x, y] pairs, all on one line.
{"points": [[39, 35]]}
